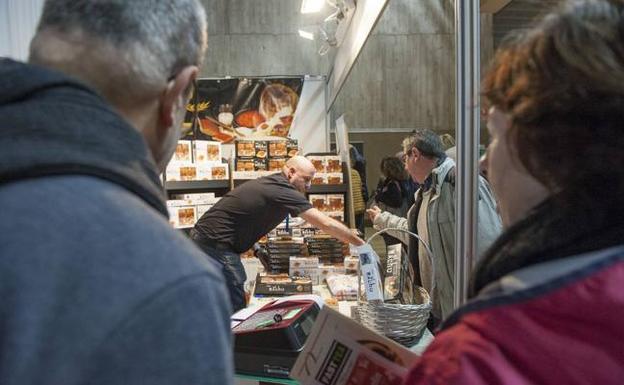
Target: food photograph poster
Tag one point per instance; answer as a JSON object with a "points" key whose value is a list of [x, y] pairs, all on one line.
{"points": [[242, 108]]}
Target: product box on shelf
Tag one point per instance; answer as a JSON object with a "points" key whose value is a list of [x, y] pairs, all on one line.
{"points": [[183, 151], [318, 162], [181, 171], [276, 164], [261, 164], [245, 164], [260, 149], [319, 179], [209, 197], [292, 147], [334, 178], [201, 209], [310, 272], [219, 171], [181, 214], [245, 148], [277, 148], [319, 201], [335, 202], [333, 163], [207, 151]]}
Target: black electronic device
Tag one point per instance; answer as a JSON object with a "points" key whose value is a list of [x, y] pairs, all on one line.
{"points": [[268, 342]]}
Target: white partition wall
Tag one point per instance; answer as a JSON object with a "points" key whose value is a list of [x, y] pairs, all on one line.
{"points": [[18, 21], [309, 126]]}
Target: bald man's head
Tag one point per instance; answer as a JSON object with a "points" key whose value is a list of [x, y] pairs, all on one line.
{"points": [[299, 171]]}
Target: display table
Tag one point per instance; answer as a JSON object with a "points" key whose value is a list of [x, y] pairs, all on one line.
{"points": [[344, 307]]}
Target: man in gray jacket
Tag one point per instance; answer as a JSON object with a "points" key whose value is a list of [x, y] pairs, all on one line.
{"points": [[432, 217], [96, 287]]}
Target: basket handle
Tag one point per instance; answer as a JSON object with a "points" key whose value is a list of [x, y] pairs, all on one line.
{"points": [[427, 248]]}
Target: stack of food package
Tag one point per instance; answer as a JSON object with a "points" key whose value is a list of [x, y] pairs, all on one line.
{"points": [[328, 169], [186, 209], [196, 160], [255, 157]]}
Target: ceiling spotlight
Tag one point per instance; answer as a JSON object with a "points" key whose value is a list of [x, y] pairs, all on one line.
{"points": [[306, 34], [311, 6]]}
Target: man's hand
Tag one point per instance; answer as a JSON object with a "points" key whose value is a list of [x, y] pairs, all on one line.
{"points": [[373, 212]]}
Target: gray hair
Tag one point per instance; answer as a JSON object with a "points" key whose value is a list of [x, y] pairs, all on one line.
{"points": [[139, 44], [426, 141]]}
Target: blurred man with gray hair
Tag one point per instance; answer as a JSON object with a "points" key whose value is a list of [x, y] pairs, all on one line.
{"points": [[96, 287]]}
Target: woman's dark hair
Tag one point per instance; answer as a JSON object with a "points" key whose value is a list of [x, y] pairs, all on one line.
{"points": [[393, 168], [562, 86]]}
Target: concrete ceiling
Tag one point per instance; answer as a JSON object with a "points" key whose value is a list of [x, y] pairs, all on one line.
{"points": [[518, 15]]}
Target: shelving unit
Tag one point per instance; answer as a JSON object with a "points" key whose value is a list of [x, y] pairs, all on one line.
{"points": [[195, 186]]}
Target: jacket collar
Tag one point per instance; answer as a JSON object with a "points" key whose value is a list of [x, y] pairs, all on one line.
{"points": [[51, 124]]}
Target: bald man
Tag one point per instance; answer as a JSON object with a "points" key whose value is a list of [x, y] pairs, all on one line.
{"points": [[251, 210]]}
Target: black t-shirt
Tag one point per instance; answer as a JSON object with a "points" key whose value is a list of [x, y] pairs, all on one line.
{"points": [[250, 211]]}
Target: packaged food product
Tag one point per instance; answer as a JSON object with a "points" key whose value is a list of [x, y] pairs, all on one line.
{"points": [[277, 148], [318, 162], [319, 201], [260, 149], [245, 148], [333, 163], [276, 164], [219, 172], [334, 178], [183, 151], [335, 202], [261, 164], [207, 151], [245, 164], [292, 147]]}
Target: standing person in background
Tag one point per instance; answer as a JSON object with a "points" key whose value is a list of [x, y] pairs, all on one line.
{"points": [[247, 213], [432, 217], [393, 193], [547, 299], [357, 197], [358, 163], [96, 286]]}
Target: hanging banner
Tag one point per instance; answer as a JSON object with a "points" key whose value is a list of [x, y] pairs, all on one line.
{"points": [[228, 109]]}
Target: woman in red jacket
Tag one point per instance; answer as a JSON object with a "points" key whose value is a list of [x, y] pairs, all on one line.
{"points": [[547, 301]]}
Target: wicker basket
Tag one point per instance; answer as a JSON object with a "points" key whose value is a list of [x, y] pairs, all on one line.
{"points": [[402, 323]]}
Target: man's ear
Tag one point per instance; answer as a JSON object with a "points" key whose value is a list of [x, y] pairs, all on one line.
{"points": [[175, 95], [417, 154]]}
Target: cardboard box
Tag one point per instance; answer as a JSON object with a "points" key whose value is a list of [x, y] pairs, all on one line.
{"points": [[318, 162], [277, 148], [219, 172], [292, 148], [245, 164], [276, 164], [181, 171], [201, 210], [319, 201], [245, 148], [261, 149], [335, 178], [207, 151], [333, 163], [281, 284], [335, 202], [183, 152], [303, 263], [182, 216]]}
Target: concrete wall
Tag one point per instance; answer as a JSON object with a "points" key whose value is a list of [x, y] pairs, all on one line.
{"points": [[404, 77], [259, 37]]}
